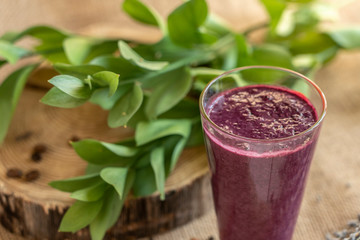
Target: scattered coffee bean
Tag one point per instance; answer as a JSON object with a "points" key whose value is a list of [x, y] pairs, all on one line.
{"points": [[39, 148], [24, 136], [74, 139], [14, 173], [211, 238], [36, 157], [32, 175]]}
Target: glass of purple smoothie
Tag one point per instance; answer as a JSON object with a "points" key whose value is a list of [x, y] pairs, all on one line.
{"points": [[260, 127]]}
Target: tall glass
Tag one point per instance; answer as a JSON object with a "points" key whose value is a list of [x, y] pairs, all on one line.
{"points": [[258, 184]]}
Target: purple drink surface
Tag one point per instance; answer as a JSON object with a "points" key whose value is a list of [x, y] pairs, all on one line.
{"points": [[262, 112], [258, 195]]}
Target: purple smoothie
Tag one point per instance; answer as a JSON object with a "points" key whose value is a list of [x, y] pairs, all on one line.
{"points": [[258, 179]]}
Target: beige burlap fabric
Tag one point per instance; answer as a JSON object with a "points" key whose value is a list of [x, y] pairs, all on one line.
{"points": [[333, 191]]}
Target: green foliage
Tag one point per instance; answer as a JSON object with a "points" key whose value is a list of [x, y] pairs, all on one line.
{"points": [[346, 38], [11, 53], [154, 89], [129, 54], [72, 86], [184, 23], [116, 177], [92, 193], [102, 153], [174, 87], [10, 91], [79, 215], [142, 13], [57, 98], [107, 78], [126, 106], [157, 161], [76, 183]]}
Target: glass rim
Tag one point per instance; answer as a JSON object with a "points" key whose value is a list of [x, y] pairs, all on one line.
{"points": [[317, 88]]}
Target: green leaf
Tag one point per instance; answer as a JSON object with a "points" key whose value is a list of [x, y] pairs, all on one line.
{"points": [[157, 163], [139, 116], [76, 183], [101, 48], [91, 193], [111, 210], [174, 146], [12, 53], [184, 23], [106, 78], [57, 98], [149, 131], [50, 45], [44, 33], [119, 65], [80, 71], [273, 55], [116, 177], [77, 49], [311, 42], [346, 38], [145, 183], [128, 53], [72, 86], [196, 136], [79, 215], [142, 161], [275, 10], [102, 153], [126, 107], [101, 97], [140, 12], [186, 108], [10, 91], [10, 36], [216, 25], [305, 18], [173, 87], [2, 62]]}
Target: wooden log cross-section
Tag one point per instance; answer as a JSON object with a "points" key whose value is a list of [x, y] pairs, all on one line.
{"points": [[31, 208]]}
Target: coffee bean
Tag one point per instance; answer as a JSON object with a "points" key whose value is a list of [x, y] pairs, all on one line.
{"points": [[24, 136], [14, 173], [39, 148], [36, 157], [32, 175], [74, 139]]}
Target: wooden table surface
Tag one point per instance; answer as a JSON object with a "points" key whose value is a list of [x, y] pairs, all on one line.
{"points": [[332, 195]]}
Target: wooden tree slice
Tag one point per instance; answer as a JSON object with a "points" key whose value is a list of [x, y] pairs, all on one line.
{"points": [[33, 209]]}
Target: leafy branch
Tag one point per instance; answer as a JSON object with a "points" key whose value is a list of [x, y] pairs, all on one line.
{"points": [[154, 88]]}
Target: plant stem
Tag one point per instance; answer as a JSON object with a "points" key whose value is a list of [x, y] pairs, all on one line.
{"points": [[255, 28]]}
